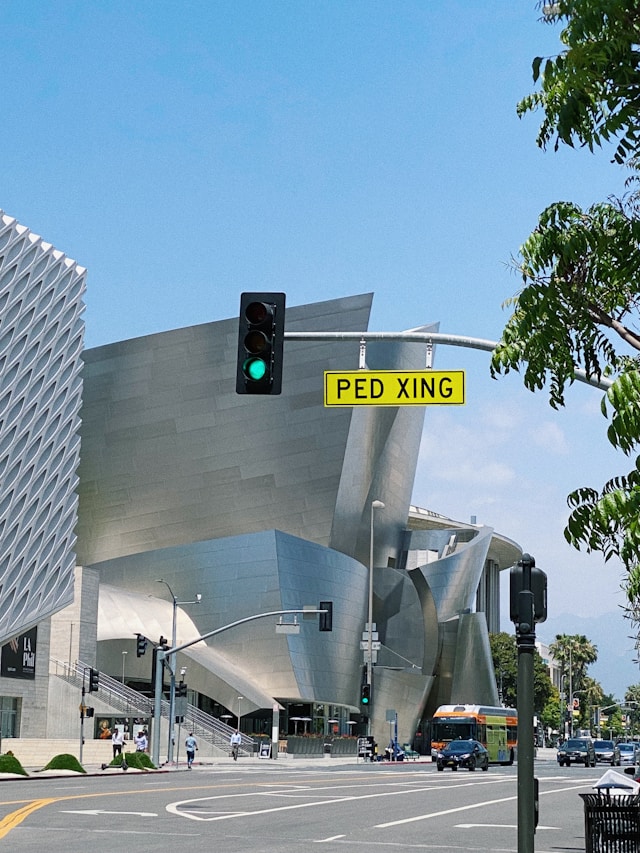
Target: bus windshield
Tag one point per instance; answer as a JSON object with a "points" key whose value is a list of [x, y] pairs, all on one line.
{"points": [[452, 728]]}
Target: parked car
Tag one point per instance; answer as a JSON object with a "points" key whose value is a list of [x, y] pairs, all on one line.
{"points": [[633, 771], [607, 751], [577, 750], [463, 753], [629, 753]]}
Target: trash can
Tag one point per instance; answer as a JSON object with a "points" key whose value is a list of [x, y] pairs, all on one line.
{"points": [[611, 823]]}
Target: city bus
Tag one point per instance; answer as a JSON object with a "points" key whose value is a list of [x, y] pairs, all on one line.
{"points": [[495, 728]]}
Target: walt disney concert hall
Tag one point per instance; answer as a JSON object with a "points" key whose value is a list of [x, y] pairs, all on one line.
{"points": [[144, 501]]}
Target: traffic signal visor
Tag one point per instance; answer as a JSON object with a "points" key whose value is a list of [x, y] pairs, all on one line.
{"points": [[260, 343]]}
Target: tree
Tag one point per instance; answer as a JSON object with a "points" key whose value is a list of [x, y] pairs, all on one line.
{"points": [[632, 701], [504, 653], [579, 307], [574, 653]]}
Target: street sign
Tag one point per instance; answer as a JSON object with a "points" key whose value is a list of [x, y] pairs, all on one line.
{"points": [[394, 387], [375, 645]]}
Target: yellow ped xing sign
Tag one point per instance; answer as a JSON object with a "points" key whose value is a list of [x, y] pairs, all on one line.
{"points": [[394, 387]]}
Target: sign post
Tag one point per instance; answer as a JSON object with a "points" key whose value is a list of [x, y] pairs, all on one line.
{"points": [[528, 605]]}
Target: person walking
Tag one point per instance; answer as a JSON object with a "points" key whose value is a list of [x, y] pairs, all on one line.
{"points": [[191, 745], [117, 742], [235, 741]]}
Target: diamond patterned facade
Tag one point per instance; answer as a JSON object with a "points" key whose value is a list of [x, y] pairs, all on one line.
{"points": [[41, 340]]}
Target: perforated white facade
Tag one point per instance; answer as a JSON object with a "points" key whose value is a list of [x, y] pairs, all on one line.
{"points": [[41, 340]]}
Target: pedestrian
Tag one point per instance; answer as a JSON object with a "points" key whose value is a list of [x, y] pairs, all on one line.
{"points": [[141, 741], [117, 741], [191, 745], [235, 741]]}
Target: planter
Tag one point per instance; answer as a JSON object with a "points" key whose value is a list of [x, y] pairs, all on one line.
{"points": [[344, 746], [299, 745]]}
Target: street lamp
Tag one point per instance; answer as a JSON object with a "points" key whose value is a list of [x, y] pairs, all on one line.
{"points": [[124, 657], [172, 664], [374, 505]]}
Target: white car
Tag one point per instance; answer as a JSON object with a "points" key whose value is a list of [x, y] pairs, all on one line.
{"points": [[629, 753]]}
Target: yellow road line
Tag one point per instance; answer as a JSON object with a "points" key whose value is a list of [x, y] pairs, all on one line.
{"points": [[15, 818]]}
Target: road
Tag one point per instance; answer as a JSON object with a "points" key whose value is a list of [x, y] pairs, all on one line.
{"points": [[255, 807]]}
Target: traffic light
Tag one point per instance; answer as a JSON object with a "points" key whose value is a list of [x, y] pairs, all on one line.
{"points": [[325, 623], [94, 680], [260, 343], [89, 712], [181, 689], [365, 694], [141, 645]]}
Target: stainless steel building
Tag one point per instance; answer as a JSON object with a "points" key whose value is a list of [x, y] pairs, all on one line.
{"points": [[264, 503], [253, 503]]}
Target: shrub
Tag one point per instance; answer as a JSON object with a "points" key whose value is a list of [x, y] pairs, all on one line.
{"points": [[10, 764], [137, 760], [65, 761]]}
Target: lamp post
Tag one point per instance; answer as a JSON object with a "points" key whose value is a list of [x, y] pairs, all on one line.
{"points": [[240, 698], [124, 657], [374, 505], [172, 664]]}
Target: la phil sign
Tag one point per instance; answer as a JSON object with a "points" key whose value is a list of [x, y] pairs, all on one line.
{"points": [[394, 388], [18, 658]]}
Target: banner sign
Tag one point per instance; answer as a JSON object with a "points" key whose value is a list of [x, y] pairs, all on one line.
{"points": [[18, 657]]}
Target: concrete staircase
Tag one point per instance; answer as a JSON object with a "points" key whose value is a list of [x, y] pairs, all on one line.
{"points": [[212, 734]]}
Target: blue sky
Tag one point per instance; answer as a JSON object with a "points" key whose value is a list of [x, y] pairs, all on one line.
{"points": [[187, 151]]}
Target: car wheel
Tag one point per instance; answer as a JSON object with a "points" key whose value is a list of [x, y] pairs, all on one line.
{"points": [[486, 766], [454, 767], [440, 767], [471, 765], [587, 762]]}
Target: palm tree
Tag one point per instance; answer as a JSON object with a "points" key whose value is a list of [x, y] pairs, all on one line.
{"points": [[574, 653]]}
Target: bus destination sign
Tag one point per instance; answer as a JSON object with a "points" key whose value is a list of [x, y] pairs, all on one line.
{"points": [[394, 387]]}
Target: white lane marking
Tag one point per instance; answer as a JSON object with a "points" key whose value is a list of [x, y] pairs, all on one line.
{"points": [[180, 808], [331, 838], [496, 826], [463, 808], [104, 811]]}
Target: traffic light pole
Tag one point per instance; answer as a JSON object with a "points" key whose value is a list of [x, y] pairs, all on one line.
{"points": [[163, 654], [523, 613], [82, 707], [428, 338]]}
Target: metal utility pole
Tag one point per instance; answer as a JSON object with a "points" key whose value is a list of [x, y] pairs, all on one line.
{"points": [[528, 604], [172, 666], [163, 654]]}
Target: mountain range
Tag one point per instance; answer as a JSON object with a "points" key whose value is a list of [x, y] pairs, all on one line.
{"points": [[617, 667]]}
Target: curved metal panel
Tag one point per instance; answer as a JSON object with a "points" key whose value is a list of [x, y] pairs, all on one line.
{"points": [[244, 576], [41, 335]]}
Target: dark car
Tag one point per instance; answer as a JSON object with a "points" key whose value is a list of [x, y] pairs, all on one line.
{"points": [[577, 750], [633, 771], [463, 753], [629, 753], [607, 751]]}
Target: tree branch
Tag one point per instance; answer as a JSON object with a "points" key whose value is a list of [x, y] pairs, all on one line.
{"points": [[602, 318]]}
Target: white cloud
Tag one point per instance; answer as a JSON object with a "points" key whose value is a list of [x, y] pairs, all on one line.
{"points": [[550, 437]]}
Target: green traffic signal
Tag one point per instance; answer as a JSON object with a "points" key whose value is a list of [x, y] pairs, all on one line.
{"points": [[254, 368]]}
